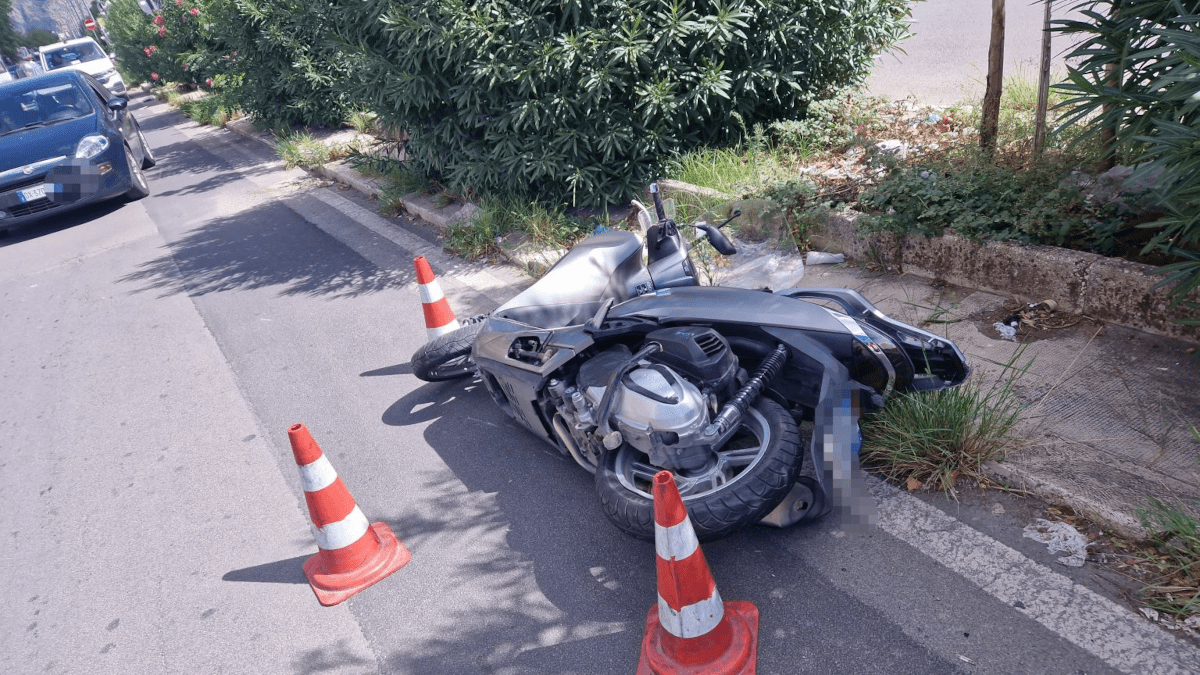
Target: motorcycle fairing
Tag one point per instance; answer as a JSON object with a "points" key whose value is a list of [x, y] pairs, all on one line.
{"points": [[603, 266], [928, 353], [721, 304], [517, 392]]}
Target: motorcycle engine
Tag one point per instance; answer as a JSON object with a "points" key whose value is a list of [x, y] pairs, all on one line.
{"points": [[663, 404]]}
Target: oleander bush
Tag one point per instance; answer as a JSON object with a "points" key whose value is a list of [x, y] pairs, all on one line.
{"points": [[585, 103], [286, 61], [180, 43]]}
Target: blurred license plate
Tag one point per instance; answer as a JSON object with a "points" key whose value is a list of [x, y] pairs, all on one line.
{"points": [[32, 194]]}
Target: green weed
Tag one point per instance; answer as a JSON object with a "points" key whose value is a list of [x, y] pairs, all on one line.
{"points": [[1174, 561], [935, 438], [213, 109], [303, 149], [546, 228], [362, 121]]}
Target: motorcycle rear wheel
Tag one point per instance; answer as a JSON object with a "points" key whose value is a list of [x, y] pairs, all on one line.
{"points": [[754, 472], [446, 357]]}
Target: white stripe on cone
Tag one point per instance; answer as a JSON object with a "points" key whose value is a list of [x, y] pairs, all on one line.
{"points": [[693, 620], [432, 333], [431, 292], [344, 532], [677, 541], [318, 475]]}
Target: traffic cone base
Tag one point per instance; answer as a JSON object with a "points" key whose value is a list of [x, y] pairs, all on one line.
{"points": [[740, 657], [332, 588]]}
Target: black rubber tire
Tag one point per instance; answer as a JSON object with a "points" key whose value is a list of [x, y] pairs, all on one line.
{"points": [[742, 501], [148, 160], [138, 187], [447, 357]]}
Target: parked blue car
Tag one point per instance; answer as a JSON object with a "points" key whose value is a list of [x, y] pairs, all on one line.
{"points": [[66, 142]]}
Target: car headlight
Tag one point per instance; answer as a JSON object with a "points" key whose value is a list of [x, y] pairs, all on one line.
{"points": [[103, 77], [90, 146]]}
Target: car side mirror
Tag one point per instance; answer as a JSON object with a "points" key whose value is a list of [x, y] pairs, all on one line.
{"points": [[118, 103]]}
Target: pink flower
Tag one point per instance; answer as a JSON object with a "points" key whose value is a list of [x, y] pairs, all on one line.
{"points": [[208, 82], [185, 66], [179, 3], [154, 76], [158, 20], [162, 31], [194, 11]]}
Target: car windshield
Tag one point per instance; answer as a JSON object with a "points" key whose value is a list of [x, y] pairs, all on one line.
{"points": [[26, 107], [65, 56]]}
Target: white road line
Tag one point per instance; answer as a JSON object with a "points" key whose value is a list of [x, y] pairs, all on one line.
{"points": [[1090, 621]]}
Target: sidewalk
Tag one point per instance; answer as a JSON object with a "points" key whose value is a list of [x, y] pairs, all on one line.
{"points": [[1111, 406]]}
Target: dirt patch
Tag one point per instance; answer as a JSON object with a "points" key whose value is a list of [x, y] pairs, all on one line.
{"points": [[1032, 322]]}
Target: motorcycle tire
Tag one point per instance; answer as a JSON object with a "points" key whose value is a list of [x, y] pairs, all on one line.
{"points": [[446, 357], [624, 475]]}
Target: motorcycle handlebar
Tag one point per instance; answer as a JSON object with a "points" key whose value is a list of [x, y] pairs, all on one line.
{"points": [[658, 204]]}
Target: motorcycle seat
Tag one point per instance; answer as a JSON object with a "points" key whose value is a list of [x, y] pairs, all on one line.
{"points": [[603, 266]]}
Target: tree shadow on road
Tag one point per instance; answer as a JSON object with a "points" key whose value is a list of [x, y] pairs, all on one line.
{"points": [[266, 246], [549, 577]]}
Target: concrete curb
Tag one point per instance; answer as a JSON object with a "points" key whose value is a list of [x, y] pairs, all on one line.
{"points": [[1111, 290]]}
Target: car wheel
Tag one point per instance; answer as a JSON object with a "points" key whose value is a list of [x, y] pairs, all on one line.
{"points": [[148, 160], [138, 187]]}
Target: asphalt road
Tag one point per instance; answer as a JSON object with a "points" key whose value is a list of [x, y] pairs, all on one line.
{"points": [[945, 61], [155, 354]]}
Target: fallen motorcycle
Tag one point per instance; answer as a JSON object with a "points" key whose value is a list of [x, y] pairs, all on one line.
{"points": [[627, 365]]}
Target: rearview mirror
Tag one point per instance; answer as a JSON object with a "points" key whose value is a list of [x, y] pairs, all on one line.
{"points": [[118, 103]]}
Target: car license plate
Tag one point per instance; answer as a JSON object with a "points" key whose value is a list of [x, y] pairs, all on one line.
{"points": [[32, 194]]}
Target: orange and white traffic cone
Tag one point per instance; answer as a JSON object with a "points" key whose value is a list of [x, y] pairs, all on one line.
{"points": [[353, 553], [691, 630], [439, 318]]}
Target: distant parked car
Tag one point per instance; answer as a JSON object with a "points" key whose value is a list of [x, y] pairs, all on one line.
{"points": [[86, 55], [66, 142]]}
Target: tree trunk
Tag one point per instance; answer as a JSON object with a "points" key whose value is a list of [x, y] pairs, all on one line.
{"points": [[1039, 125], [995, 80]]}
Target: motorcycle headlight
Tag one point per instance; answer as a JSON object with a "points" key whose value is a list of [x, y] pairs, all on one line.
{"points": [[90, 146]]}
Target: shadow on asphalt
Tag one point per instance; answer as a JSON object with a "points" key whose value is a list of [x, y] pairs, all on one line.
{"points": [[592, 573], [268, 245], [600, 580], [290, 571], [178, 159]]}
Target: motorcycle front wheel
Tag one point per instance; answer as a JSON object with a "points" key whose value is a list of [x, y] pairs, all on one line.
{"points": [[752, 473], [448, 356]]}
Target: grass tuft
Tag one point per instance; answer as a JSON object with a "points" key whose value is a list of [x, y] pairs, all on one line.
{"points": [[935, 438], [303, 149], [1174, 560]]}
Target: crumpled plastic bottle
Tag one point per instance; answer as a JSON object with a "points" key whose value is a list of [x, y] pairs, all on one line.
{"points": [[822, 258]]}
